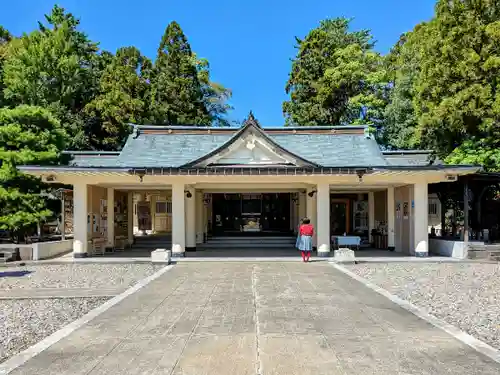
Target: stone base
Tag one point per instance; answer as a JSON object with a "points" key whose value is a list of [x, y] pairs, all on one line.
{"points": [[161, 255], [178, 255], [323, 254], [344, 255], [421, 254], [80, 255]]}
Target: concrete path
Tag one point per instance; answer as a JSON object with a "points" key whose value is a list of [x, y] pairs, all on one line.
{"points": [[263, 318]]}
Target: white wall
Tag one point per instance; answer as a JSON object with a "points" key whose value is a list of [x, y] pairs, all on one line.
{"points": [[448, 248], [44, 250]]}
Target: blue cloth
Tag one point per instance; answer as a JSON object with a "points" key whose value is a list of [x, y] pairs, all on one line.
{"points": [[304, 243]]}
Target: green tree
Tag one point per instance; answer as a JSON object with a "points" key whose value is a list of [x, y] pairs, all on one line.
{"points": [[28, 135], [121, 99], [55, 67], [5, 38], [177, 95], [403, 66], [215, 95], [456, 95], [335, 78]]}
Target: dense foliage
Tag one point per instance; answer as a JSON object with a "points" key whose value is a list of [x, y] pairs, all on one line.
{"points": [[28, 135], [336, 77], [57, 88], [437, 89], [456, 92]]}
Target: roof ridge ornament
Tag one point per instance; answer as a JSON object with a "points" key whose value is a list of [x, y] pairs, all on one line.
{"points": [[251, 120]]}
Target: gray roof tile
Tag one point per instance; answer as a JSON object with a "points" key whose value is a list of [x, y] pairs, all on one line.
{"points": [[148, 150], [169, 150], [331, 150]]}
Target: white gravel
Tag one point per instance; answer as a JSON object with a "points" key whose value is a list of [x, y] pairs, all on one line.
{"points": [[466, 295], [25, 322], [76, 275]]}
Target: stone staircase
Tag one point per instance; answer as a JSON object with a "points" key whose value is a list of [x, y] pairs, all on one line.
{"points": [[484, 252], [152, 242], [145, 244], [248, 242]]}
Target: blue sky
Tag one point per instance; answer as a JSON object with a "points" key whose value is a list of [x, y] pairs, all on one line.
{"points": [[249, 44]]}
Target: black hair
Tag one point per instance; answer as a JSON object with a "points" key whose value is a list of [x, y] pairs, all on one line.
{"points": [[306, 221]]}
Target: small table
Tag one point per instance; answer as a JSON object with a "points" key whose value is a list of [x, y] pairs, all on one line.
{"points": [[338, 241]]}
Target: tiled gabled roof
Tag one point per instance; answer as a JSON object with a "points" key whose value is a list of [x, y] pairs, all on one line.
{"points": [[177, 146]]}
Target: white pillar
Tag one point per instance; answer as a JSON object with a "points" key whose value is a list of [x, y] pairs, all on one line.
{"points": [[391, 218], [111, 217], [63, 216], [80, 200], [323, 220], [199, 217], [371, 214], [178, 221], [130, 217], [311, 211], [205, 217], [420, 219], [190, 220]]}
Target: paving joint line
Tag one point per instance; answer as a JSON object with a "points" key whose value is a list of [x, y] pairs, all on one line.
{"points": [[469, 340], [257, 324]]}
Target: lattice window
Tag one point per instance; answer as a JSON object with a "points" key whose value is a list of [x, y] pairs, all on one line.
{"points": [[433, 207], [164, 207]]}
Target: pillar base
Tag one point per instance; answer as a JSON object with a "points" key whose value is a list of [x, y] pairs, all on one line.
{"points": [[178, 255], [421, 254], [324, 251], [391, 248], [80, 255]]}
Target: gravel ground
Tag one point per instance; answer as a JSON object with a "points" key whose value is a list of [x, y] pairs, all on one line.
{"points": [[463, 294], [76, 275], [26, 322]]}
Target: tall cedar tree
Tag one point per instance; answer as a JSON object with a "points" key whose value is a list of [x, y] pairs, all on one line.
{"points": [[28, 135], [55, 67], [335, 77], [121, 100], [177, 97], [457, 93]]}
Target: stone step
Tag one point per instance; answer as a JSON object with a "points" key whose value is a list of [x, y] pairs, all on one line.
{"points": [[484, 247], [246, 245], [251, 241]]}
